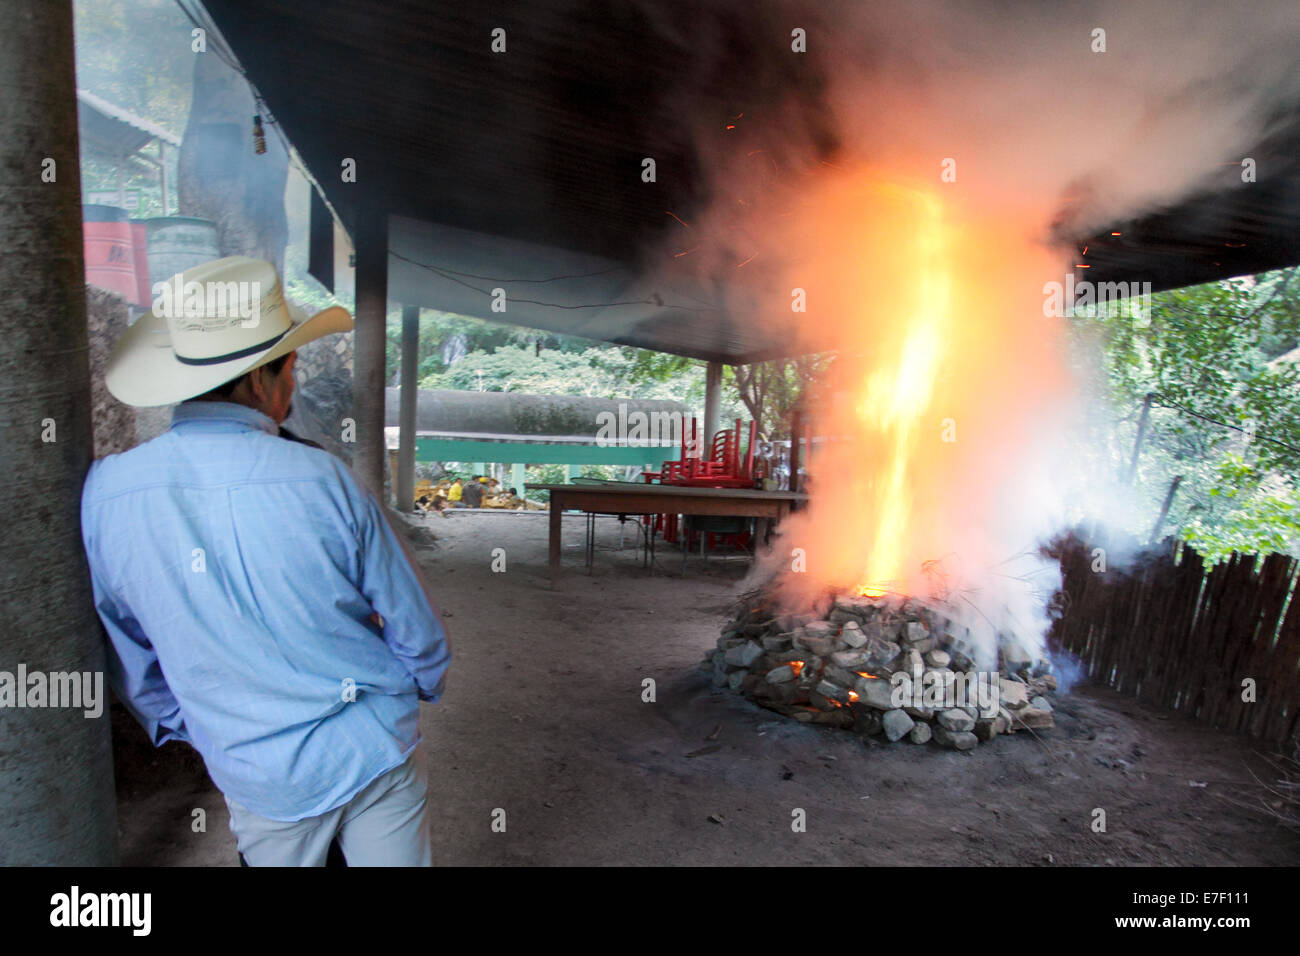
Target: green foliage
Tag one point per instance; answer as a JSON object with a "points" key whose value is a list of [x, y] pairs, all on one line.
{"points": [[1226, 407], [594, 371], [1258, 514]]}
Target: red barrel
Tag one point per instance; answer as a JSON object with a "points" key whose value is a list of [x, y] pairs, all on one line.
{"points": [[110, 251]]}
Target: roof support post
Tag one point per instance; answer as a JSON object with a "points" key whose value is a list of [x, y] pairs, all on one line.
{"points": [[57, 805], [405, 480], [712, 402], [368, 347]]}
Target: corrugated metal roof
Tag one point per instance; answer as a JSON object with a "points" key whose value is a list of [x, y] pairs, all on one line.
{"points": [[114, 129]]}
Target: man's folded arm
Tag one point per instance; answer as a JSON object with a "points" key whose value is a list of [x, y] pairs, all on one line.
{"points": [[398, 592], [135, 674]]}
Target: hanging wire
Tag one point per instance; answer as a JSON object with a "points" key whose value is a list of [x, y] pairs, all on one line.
{"points": [[1162, 402]]}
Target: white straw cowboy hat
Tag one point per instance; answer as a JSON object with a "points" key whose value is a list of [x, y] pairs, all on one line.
{"points": [[208, 326]]}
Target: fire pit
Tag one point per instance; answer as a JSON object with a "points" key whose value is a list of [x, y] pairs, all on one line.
{"points": [[885, 666]]}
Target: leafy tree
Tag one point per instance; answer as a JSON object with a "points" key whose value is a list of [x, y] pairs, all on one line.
{"points": [[770, 390], [1225, 406]]}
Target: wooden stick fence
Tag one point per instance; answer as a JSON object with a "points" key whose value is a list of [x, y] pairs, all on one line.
{"points": [[1167, 630]]}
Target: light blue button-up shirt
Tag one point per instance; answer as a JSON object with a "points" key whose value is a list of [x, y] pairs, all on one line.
{"points": [[238, 574]]}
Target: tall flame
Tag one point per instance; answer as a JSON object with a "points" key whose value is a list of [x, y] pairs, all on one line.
{"points": [[895, 396], [945, 381]]}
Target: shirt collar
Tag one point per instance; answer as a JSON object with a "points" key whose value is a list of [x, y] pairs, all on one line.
{"points": [[188, 412]]}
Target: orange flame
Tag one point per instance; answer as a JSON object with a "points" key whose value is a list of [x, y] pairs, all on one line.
{"points": [[946, 367]]}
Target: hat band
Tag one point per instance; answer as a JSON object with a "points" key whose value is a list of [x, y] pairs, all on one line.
{"points": [[231, 356]]}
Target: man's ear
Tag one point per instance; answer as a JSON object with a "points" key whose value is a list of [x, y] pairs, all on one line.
{"points": [[258, 384]]}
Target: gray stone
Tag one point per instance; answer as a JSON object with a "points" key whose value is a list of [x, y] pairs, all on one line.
{"points": [[818, 646], [820, 629], [938, 658], [744, 655], [851, 634], [1045, 682], [1040, 703], [920, 713], [858, 607], [880, 654], [956, 740], [839, 676], [1014, 694], [852, 660], [1032, 718], [832, 691], [924, 646], [912, 662], [986, 728], [921, 733], [780, 675], [958, 721], [959, 661], [735, 678], [895, 724], [914, 631], [874, 693], [778, 642]]}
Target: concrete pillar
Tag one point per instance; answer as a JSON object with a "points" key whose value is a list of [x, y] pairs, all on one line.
{"points": [[57, 805], [405, 478], [368, 348], [712, 402]]}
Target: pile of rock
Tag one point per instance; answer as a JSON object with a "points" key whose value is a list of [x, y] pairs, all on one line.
{"points": [[884, 667]]}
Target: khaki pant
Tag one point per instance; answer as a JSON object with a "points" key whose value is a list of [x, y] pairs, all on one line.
{"points": [[386, 824]]}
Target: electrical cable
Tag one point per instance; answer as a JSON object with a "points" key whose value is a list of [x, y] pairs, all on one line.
{"points": [[1165, 403]]}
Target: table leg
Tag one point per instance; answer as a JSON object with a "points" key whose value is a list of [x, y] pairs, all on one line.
{"points": [[554, 544]]}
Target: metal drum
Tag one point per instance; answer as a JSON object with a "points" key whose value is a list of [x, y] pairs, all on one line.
{"points": [[177, 243], [110, 250]]}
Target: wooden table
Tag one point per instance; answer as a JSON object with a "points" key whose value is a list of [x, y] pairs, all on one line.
{"points": [[634, 499]]}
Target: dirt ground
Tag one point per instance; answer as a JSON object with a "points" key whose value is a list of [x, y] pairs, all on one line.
{"points": [[543, 718]]}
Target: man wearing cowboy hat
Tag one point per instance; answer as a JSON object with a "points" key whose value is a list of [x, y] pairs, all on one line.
{"points": [[257, 602]]}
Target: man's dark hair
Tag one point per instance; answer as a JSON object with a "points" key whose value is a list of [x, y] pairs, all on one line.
{"points": [[228, 388]]}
